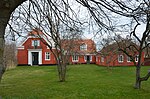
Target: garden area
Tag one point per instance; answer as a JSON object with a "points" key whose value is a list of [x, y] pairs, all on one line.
{"points": [[83, 82]]}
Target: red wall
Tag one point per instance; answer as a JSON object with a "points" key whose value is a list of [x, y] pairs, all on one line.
{"points": [[22, 57], [147, 61], [22, 54], [113, 60], [52, 57]]}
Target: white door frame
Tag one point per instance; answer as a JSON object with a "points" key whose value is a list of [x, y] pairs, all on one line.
{"points": [[30, 56]]}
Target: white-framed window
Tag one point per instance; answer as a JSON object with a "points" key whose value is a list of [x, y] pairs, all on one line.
{"points": [[83, 47], [75, 58], [47, 55], [35, 42], [128, 59], [120, 58], [102, 59], [136, 58]]}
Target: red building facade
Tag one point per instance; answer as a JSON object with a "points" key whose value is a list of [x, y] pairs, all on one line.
{"points": [[116, 60], [111, 56], [82, 51], [33, 51]]}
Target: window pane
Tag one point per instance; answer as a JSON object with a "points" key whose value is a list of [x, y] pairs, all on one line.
{"points": [[35, 42], [83, 47], [136, 58], [120, 58], [74, 58], [38, 42], [47, 56]]}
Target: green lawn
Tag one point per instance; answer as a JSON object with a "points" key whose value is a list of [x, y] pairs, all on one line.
{"points": [[83, 82]]}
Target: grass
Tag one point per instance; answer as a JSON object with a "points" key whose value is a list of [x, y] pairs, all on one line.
{"points": [[83, 82]]}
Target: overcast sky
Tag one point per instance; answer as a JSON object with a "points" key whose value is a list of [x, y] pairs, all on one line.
{"points": [[90, 27]]}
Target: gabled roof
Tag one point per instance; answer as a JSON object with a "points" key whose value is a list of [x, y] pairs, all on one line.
{"points": [[74, 46], [114, 47], [32, 33], [35, 32]]}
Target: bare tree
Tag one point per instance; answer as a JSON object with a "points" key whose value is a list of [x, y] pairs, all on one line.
{"points": [[6, 8], [102, 11], [54, 19], [135, 10]]}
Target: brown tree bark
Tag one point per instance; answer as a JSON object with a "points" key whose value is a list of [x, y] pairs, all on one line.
{"points": [[6, 8], [138, 82], [2, 66], [3, 23], [140, 79]]}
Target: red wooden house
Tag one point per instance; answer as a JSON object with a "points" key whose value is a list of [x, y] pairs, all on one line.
{"points": [[111, 56], [32, 51], [81, 50]]}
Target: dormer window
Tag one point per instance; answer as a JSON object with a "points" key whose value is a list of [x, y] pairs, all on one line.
{"points": [[83, 47], [35, 42]]}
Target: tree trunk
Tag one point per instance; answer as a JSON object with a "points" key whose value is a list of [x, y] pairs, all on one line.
{"points": [[138, 70], [3, 23], [138, 81], [2, 67], [62, 72]]}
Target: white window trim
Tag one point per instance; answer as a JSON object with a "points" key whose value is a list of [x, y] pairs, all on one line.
{"points": [[46, 55], [73, 58], [119, 58], [136, 58]]}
